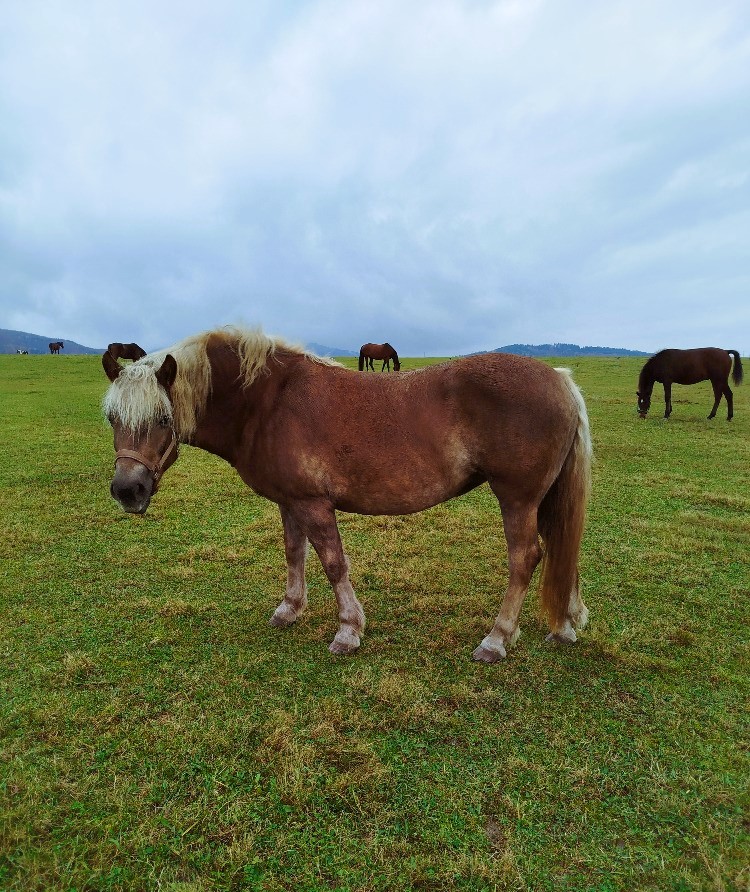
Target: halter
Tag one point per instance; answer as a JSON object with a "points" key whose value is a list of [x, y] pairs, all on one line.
{"points": [[157, 467]]}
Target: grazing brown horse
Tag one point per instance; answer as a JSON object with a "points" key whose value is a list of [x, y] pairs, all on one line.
{"points": [[56, 346], [126, 351], [295, 427], [670, 367], [368, 352]]}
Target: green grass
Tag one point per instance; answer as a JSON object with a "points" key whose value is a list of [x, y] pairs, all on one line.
{"points": [[157, 734]]}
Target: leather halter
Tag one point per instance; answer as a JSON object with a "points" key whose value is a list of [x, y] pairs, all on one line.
{"points": [[157, 467]]}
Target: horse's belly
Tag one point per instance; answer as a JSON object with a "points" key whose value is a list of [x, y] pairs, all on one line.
{"points": [[403, 491]]}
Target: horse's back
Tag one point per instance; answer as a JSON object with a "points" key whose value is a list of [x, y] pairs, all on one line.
{"points": [[477, 401], [692, 366]]}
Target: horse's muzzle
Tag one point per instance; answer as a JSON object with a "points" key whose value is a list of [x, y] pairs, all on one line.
{"points": [[132, 487]]}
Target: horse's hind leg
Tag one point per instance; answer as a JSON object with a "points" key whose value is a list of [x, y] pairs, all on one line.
{"points": [[524, 554], [577, 618], [318, 521], [295, 548], [718, 387], [730, 401]]}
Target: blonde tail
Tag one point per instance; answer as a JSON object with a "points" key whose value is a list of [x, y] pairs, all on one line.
{"points": [[561, 519]]}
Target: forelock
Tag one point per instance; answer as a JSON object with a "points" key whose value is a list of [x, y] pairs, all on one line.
{"points": [[135, 399]]}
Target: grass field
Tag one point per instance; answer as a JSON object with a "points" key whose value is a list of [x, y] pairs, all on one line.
{"points": [[157, 734]]}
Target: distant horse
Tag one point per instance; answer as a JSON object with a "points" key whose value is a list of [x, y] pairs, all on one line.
{"points": [[56, 346], [368, 352], [296, 428], [670, 367], [126, 351], [22, 352]]}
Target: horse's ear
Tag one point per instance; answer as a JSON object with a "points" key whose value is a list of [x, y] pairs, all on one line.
{"points": [[111, 366], [168, 372]]}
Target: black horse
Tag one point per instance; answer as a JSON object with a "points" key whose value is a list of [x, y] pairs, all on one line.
{"points": [[126, 351], [670, 367]]}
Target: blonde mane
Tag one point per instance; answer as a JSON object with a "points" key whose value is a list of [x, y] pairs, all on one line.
{"points": [[136, 400]]}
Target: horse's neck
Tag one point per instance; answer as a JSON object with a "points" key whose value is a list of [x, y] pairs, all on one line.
{"points": [[647, 379], [225, 424]]}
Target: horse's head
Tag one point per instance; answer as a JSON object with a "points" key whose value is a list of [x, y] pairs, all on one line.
{"points": [[139, 408], [644, 402], [396, 365]]}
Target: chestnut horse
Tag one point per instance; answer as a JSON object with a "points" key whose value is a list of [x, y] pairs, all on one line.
{"points": [[56, 346], [295, 426], [368, 352], [126, 351], [670, 367]]}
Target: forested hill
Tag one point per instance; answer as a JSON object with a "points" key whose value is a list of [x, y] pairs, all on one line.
{"points": [[565, 350], [12, 341]]}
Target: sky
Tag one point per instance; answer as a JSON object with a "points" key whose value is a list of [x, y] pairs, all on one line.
{"points": [[446, 176]]}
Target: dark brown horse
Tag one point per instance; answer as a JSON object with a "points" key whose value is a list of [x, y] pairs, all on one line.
{"points": [[670, 367], [295, 427], [126, 351], [368, 352], [56, 346]]}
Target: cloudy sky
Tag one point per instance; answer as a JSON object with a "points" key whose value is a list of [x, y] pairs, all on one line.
{"points": [[448, 176]]}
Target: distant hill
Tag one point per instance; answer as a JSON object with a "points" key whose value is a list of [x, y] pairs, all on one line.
{"points": [[11, 341], [321, 350], [565, 350]]}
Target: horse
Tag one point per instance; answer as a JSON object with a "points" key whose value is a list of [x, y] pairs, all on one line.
{"points": [[368, 352], [126, 351], [670, 367], [294, 426], [56, 346]]}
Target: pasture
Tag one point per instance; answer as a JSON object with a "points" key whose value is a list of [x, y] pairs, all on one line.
{"points": [[156, 733]]}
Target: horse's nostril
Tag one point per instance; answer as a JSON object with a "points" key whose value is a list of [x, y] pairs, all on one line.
{"points": [[130, 492]]}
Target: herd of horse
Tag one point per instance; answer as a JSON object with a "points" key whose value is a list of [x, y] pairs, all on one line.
{"points": [[296, 428]]}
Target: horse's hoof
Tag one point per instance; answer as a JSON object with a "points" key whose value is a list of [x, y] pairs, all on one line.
{"points": [[282, 617], [280, 622], [488, 655], [567, 636], [344, 643]]}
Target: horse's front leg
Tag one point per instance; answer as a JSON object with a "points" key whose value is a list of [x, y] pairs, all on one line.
{"points": [[667, 399], [295, 548], [318, 521]]}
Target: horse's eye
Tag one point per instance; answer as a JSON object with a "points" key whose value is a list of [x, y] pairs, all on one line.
{"points": [[163, 421]]}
